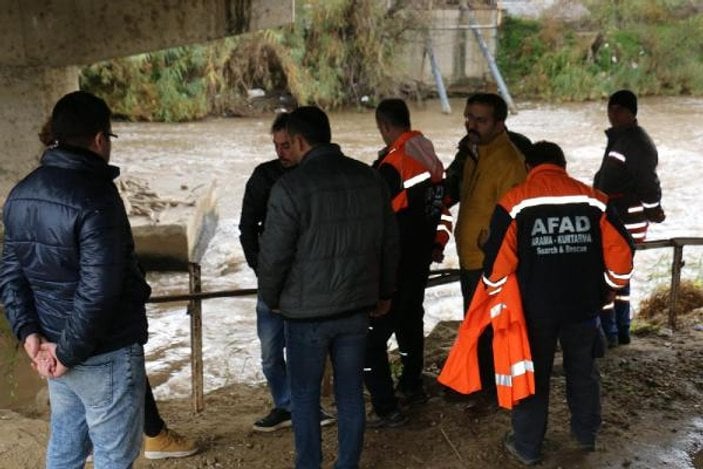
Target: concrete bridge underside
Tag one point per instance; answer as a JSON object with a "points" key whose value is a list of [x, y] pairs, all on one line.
{"points": [[45, 41]]}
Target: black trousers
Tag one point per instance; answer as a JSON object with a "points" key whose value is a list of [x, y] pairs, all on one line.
{"points": [[153, 424], [406, 321], [469, 280], [580, 344]]}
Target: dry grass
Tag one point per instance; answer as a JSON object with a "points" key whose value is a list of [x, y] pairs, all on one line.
{"points": [[655, 309]]}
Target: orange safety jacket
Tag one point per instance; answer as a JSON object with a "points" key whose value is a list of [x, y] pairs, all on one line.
{"points": [[418, 185], [514, 370]]}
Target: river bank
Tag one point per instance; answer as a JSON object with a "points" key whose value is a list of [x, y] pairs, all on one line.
{"points": [[652, 417]]}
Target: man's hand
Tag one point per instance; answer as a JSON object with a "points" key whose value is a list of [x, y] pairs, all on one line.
{"points": [[52, 366], [438, 254], [32, 343], [655, 215], [610, 295], [381, 309]]}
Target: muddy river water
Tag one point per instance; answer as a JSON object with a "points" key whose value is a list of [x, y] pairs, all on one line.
{"points": [[227, 150]]}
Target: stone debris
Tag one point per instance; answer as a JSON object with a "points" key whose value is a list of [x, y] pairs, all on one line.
{"points": [[141, 200]]}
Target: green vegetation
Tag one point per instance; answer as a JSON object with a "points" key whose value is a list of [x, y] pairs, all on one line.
{"points": [[337, 52], [652, 46], [341, 50]]}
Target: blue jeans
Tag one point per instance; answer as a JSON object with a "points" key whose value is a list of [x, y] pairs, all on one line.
{"points": [[99, 401], [308, 344], [269, 327]]}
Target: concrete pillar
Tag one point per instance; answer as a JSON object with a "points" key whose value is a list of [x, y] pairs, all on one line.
{"points": [[27, 95]]}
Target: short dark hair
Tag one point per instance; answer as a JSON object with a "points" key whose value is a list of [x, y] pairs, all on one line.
{"points": [[545, 152], [78, 117], [500, 109], [624, 98], [311, 123], [280, 122], [395, 112]]}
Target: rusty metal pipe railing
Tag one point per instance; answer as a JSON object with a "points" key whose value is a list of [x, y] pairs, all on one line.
{"points": [[437, 277]]}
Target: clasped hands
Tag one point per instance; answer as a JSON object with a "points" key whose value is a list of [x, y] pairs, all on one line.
{"points": [[43, 356]]}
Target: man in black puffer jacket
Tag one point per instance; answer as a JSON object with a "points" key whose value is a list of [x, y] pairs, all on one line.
{"points": [[328, 258], [73, 292]]}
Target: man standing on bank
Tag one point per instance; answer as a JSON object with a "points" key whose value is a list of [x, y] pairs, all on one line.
{"points": [[269, 325], [328, 258], [73, 292], [414, 177], [628, 175], [569, 253], [491, 164]]}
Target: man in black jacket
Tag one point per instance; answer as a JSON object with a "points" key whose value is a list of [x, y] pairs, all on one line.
{"points": [[328, 258], [628, 174], [73, 292], [269, 325]]}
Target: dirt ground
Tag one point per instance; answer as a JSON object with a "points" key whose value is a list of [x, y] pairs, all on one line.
{"points": [[652, 417]]}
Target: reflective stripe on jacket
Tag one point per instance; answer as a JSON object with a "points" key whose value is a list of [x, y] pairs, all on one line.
{"points": [[514, 370]]}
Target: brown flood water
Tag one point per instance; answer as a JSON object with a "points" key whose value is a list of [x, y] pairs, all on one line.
{"points": [[170, 155]]}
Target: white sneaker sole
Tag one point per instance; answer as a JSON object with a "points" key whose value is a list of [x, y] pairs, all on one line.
{"points": [[284, 424], [169, 454], [328, 421]]}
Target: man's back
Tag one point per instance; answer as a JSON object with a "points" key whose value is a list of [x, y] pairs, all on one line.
{"points": [[561, 237], [73, 292], [66, 228], [337, 210]]}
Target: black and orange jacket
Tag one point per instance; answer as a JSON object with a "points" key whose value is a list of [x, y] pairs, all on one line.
{"points": [[566, 246], [415, 176], [628, 175]]}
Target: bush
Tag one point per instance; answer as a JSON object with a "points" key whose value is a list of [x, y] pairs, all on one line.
{"points": [[651, 46], [337, 52]]}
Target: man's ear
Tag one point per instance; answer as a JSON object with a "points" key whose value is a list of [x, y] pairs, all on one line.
{"points": [[98, 141], [301, 144], [100, 144]]}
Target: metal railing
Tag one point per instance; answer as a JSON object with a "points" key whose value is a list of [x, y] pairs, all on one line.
{"points": [[438, 277]]}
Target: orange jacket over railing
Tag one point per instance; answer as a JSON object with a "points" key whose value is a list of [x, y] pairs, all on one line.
{"points": [[514, 370]]}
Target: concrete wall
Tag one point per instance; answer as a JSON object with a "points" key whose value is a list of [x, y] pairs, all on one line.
{"points": [[455, 47], [70, 32], [43, 41], [27, 95]]}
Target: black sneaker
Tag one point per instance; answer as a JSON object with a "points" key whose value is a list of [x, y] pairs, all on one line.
{"points": [[624, 339], [412, 398], [392, 420], [509, 444], [277, 418], [588, 445], [326, 418]]}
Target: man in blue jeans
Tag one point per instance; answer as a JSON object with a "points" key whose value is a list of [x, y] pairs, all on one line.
{"points": [[73, 292], [328, 258], [269, 325]]}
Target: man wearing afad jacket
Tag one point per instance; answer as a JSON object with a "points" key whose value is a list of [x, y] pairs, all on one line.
{"points": [[570, 254]]}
